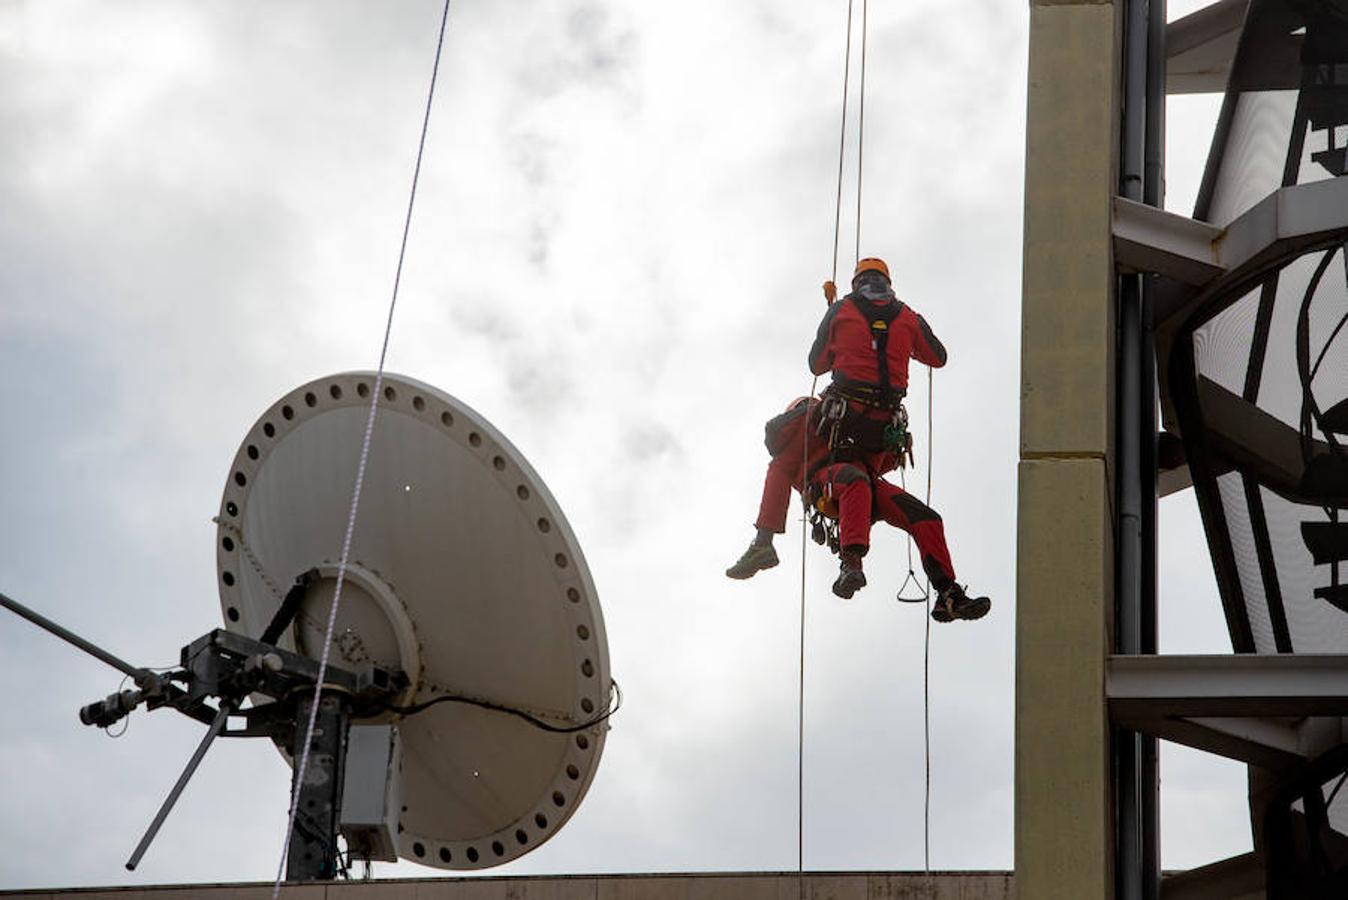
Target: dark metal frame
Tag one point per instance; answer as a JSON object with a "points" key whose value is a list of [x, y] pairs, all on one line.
{"points": [[1141, 178], [1268, 25], [225, 668]]}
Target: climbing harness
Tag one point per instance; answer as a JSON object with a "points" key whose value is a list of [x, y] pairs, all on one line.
{"points": [[853, 434], [851, 411], [880, 320], [302, 764], [846, 421]]}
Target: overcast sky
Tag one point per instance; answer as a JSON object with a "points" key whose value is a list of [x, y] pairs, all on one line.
{"points": [[625, 212]]}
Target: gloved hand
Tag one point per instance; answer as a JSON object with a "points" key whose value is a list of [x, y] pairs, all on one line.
{"points": [[830, 292]]}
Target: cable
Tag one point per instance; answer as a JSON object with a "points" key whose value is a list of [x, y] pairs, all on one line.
{"points": [[926, 588], [861, 123], [126, 720], [925, 600], [1334, 793], [804, 474], [519, 713], [800, 711], [1329, 341], [842, 144], [302, 769], [926, 663]]}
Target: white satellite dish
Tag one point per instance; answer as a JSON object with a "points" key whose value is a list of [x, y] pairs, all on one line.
{"points": [[463, 574]]}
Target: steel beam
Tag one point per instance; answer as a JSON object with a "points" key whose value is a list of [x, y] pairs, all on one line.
{"points": [[1238, 878], [1148, 239], [1201, 47], [1267, 743], [1270, 711], [1287, 222], [1172, 481], [1149, 688]]}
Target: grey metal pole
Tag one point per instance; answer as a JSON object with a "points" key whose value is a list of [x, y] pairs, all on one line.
{"points": [[217, 725], [312, 854], [71, 637], [1153, 194], [1129, 751]]}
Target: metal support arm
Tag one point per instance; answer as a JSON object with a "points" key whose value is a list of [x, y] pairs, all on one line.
{"points": [[1266, 710]]}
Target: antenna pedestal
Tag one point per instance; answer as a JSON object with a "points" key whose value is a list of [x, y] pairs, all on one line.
{"points": [[469, 588], [312, 854]]}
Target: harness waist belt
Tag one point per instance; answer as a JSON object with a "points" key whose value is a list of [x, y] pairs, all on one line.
{"points": [[868, 394]]}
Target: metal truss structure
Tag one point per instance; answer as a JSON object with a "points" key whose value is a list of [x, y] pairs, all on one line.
{"points": [[1249, 318]]}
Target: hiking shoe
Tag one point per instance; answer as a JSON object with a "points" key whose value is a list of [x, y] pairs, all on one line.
{"points": [[952, 603], [850, 577], [755, 559]]}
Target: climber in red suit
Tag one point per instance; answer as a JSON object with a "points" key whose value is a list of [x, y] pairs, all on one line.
{"points": [[866, 341]]}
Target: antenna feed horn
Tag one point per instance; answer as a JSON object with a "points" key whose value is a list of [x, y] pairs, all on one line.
{"points": [[112, 709]]}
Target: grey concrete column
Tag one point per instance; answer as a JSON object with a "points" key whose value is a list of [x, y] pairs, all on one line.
{"points": [[1064, 839]]}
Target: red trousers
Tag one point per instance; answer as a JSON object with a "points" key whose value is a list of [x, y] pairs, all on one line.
{"points": [[786, 469], [862, 499]]}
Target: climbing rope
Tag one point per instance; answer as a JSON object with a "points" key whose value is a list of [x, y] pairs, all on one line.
{"points": [[861, 124], [925, 597], [800, 712], [804, 473], [926, 664], [302, 767], [842, 155], [925, 600]]}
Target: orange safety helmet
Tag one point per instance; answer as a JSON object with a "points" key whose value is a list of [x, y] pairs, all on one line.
{"points": [[871, 264]]}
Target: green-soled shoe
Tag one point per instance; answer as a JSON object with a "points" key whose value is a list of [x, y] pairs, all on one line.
{"points": [[754, 560]]}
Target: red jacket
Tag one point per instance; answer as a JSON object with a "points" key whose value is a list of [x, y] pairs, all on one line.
{"points": [[844, 344]]}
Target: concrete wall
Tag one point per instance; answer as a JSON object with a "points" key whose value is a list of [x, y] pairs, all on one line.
{"points": [[1064, 581], [756, 886]]}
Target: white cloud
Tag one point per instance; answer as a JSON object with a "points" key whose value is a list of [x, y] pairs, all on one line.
{"points": [[624, 216]]}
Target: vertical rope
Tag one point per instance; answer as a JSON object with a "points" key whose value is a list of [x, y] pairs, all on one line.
{"points": [[800, 711], [861, 123], [842, 143], [926, 666], [804, 472], [303, 766]]}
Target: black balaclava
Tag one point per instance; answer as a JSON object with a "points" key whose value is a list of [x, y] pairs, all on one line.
{"points": [[873, 285]]}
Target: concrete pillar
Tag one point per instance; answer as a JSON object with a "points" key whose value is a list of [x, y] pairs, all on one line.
{"points": [[1064, 838]]}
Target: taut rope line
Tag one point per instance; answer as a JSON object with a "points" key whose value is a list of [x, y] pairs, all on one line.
{"points": [[861, 124], [303, 764], [926, 663], [804, 473]]}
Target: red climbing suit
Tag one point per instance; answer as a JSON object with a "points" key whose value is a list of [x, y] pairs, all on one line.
{"points": [[862, 495], [866, 341], [844, 343]]}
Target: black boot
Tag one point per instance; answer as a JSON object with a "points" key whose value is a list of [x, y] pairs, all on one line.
{"points": [[952, 603], [850, 576]]}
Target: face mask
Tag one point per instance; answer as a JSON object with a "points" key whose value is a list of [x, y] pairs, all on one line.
{"points": [[873, 288]]}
